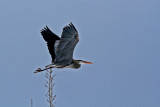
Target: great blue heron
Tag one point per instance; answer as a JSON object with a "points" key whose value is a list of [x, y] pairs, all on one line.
{"points": [[61, 49]]}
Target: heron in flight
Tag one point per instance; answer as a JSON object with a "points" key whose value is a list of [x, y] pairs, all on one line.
{"points": [[61, 49]]}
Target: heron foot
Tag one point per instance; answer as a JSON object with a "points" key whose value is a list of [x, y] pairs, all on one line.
{"points": [[38, 70]]}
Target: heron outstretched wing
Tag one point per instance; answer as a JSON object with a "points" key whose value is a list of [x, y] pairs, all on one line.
{"points": [[50, 38], [65, 48]]}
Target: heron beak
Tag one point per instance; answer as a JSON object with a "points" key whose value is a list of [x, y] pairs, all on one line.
{"points": [[86, 62]]}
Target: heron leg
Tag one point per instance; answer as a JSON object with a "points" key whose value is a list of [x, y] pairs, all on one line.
{"points": [[46, 67], [40, 70], [49, 66]]}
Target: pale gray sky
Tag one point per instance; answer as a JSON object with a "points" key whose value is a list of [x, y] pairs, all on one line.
{"points": [[121, 38]]}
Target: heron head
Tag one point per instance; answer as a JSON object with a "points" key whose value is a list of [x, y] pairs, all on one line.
{"points": [[77, 63]]}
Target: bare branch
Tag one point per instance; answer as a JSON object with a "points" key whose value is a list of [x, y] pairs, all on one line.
{"points": [[31, 102], [50, 83]]}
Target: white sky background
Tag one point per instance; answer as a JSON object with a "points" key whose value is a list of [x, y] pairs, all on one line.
{"points": [[121, 38]]}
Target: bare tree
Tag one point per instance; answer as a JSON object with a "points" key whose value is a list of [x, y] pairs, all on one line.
{"points": [[50, 83], [31, 102]]}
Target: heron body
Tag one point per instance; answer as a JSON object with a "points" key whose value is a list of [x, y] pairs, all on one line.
{"points": [[74, 64], [61, 49]]}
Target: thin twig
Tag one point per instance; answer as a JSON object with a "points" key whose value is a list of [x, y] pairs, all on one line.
{"points": [[50, 85]]}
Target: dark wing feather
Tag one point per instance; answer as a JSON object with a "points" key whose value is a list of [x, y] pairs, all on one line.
{"points": [[50, 38], [69, 39]]}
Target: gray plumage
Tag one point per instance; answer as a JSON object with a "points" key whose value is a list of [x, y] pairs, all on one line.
{"points": [[63, 52], [68, 41]]}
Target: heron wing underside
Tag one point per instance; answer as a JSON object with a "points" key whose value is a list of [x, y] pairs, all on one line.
{"points": [[50, 38], [69, 39]]}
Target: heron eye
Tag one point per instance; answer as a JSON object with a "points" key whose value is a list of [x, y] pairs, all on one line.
{"points": [[76, 37]]}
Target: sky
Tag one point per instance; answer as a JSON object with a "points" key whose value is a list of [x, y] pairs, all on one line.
{"points": [[121, 38]]}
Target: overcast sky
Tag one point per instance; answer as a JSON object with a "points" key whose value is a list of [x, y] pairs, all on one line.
{"points": [[121, 38]]}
